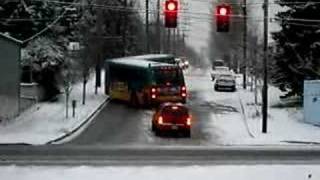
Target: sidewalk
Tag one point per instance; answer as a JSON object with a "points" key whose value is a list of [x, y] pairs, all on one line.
{"points": [[46, 121]]}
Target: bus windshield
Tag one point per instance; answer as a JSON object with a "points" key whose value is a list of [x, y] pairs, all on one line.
{"points": [[171, 76]]}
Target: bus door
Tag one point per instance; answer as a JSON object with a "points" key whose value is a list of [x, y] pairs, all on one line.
{"points": [[119, 88]]}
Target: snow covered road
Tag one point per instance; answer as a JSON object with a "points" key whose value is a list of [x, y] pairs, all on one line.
{"points": [[215, 115], [220, 118]]}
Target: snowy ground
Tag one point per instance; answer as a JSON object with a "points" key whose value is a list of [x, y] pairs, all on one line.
{"points": [[47, 121], [153, 173], [286, 124], [240, 124]]}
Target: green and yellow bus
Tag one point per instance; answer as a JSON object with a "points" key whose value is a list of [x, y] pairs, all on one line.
{"points": [[142, 82]]}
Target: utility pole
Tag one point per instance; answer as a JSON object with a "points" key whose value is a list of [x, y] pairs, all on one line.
{"points": [[158, 26], [245, 27], [178, 42], [265, 66], [255, 75], [183, 43], [124, 30], [174, 42], [169, 40], [147, 27]]}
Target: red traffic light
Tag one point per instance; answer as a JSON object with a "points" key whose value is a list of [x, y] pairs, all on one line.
{"points": [[223, 13], [171, 13], [223, 10], [171, 6]]}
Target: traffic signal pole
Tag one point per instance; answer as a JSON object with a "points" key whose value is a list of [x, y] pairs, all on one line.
{"points": [[265, 66], [245, 28]]}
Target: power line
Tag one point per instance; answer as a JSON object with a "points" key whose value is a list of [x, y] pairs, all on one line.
{"points": [[46, 28], [123, 8]]}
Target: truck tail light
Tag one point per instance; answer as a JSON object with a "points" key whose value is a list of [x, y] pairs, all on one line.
{"points": [[189, 121], [160, 120], [153, 93], [183, 91]]}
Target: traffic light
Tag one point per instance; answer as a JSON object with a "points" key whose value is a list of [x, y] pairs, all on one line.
{"points": [[171, 13], [223, 13]]}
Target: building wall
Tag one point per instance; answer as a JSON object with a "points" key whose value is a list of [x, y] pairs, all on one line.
{"points": [[9, 78]]}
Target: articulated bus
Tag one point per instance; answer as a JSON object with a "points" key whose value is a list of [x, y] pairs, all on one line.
{"points": [[142, 82]]}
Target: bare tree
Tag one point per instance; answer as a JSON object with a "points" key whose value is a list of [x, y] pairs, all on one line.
{"points": [[68, 79]]}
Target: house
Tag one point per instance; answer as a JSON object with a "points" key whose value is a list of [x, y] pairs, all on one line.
{"points": [[10, 50]]}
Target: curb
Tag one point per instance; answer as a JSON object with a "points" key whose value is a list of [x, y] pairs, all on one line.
{"points": [[81, 125], [244, 117]]}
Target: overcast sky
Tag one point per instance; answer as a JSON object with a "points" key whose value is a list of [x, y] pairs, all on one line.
{"points": [[196, 18]]}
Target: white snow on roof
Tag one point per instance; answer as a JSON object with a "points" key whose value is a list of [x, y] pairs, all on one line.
{"points": [[149, 56], [131, 61]]}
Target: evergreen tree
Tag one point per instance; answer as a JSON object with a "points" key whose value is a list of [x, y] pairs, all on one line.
{"points": [[297, 57]]}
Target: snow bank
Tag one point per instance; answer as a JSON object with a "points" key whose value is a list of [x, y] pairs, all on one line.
{"points": [[46, 121], [236, 120]]}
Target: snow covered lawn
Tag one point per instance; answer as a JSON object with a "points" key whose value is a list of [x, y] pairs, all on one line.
{"points": [[285, 124], [235, 119], [47, 121], [261, 172]]}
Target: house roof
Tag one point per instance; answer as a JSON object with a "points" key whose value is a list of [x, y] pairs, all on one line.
{"points": [[9, 38]]}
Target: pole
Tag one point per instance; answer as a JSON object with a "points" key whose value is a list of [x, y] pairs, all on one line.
{"points": [[174, 43], [158, 26], [178, 53], [99, 44], [147, 27], [169, 40], [183, 44], [124, 30], [255, 75], [265, 66], [245, 27]]}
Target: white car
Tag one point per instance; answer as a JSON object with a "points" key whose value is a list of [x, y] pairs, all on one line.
{"points": [[225, 82], [220, 70]]}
